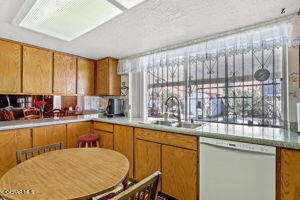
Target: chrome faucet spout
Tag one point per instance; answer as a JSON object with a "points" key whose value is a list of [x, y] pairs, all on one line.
{"points": [[178, 105]]}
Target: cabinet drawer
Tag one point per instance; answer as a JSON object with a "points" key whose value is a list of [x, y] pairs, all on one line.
{"points": [[104, 126], [174, 139]]}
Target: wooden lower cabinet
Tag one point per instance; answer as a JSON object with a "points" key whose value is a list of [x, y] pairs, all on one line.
{"points": [[175, 155], [147, 159], [23, 139], [49, 135], [10, 142], [106, 139], [179, 172], [289, 170], [74, 130], [123, 143]]}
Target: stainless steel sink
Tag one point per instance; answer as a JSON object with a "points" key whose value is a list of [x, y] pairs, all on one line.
{"points": [[163, 123], [187, 125]]}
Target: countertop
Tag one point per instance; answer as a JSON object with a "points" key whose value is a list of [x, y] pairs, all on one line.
{"points": [[241, 133]]}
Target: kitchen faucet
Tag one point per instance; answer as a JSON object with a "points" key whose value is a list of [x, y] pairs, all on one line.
{"points": [[179, 109]]}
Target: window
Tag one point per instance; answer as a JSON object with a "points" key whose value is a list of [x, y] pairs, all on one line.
{"points": [[223, 89]]}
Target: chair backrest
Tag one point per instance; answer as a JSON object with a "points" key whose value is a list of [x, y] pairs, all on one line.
{"points": [[145, 189], [29, 153], [31, 111], [54, 113], [8, 115]]}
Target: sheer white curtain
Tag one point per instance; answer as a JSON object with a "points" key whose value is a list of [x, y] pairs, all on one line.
{"points": [[137, 94], [267, 37]]}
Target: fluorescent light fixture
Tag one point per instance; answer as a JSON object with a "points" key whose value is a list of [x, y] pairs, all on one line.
{"points": [[68, 19], [129, 3]]}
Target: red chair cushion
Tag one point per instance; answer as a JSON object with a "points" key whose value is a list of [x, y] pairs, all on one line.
{"points": [[109, 196], [88, 138]]}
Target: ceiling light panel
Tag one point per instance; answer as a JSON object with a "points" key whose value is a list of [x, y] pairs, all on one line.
{"points": [[129, 3], [68, 19]]}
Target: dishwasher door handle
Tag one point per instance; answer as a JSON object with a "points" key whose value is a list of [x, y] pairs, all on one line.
{"points": [[239, 146]]}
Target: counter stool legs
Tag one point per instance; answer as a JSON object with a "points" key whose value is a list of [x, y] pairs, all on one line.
{"points": [[88, 140]]}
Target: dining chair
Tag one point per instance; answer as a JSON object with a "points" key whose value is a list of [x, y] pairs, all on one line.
{"points": [[29, 153], [146, 189], [54, 113], [8, 115], [31, 113]]}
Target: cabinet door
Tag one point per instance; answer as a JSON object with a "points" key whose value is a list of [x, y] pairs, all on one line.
{"points": [[7, 151], [64, 74], [114, 79], [123, 143], [74, 130], [102, 87], [85, 77], [106, 139], [37, 70], [49, 135], [179, 172], [108, 81], [147, 159], [23, 139], [290, 176], [10, 67]]}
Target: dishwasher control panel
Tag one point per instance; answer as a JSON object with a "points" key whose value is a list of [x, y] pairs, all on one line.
{"points": [[238, 145]]}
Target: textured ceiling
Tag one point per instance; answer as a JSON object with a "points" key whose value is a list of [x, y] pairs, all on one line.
{"points": [[150, 25]]}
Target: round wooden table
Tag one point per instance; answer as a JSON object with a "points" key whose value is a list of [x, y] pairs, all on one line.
{"points": [[78, 173]]}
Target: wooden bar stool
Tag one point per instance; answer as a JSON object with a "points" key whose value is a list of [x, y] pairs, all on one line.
{"points": [[88, 140]]}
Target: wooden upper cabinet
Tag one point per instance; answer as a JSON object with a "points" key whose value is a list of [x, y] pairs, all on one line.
{"points": [[37, 70], [108, 82], [85, 76], [10, 67], [64, 74]]}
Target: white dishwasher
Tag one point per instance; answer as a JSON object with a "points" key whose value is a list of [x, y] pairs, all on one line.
{"points": [[236, 171]]}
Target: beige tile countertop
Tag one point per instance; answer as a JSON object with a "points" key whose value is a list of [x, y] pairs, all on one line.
{"points": [[241, 133]]}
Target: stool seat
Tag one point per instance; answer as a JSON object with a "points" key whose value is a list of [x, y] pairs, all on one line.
{"points": [[88, 138]]}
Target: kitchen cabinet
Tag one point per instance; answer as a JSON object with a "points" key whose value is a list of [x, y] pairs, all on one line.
{"points": [[180, 140], [105, 132], [106, 139], [74, 130], [108, 82], [46, 135], [64, 74], [23, 138], [85, 76], [288, 170], [37, 70], [147, 159], [10, 142], [10, 67], [123, 143], [179, 172], [175, 155]]}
